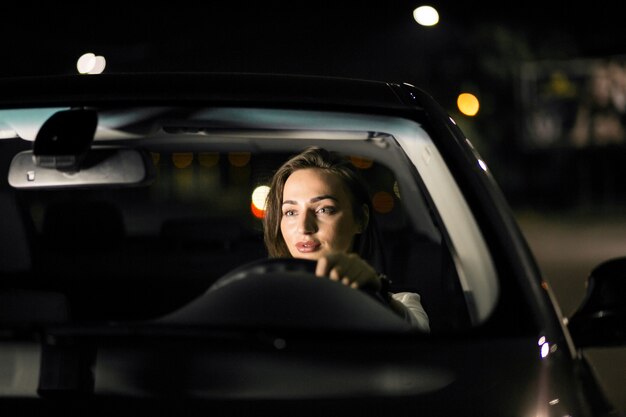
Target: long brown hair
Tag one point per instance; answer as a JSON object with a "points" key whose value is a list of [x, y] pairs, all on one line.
{"points": [[314, 157]]}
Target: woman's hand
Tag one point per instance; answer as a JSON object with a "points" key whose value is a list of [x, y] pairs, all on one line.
{"points": [[349, 269]]}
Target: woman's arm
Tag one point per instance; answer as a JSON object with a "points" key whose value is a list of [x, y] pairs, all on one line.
{"points": [[409, 305], [351, 270]]}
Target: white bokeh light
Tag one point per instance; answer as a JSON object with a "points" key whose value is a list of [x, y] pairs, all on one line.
{"points": [[426, 15], [259, 195], [86, 63], [89, 63], [99, 65]]}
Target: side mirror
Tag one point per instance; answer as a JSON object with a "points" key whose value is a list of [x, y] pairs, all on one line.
{"points": [[601, 318]]}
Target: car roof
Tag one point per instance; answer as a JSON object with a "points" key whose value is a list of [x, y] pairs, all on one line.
{"points": [[223, 88]]}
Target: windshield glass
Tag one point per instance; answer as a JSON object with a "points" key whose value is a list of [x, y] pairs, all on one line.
{"points": [[155, 249]]}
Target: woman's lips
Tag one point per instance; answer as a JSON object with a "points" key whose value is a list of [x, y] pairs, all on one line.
{"points": [[308, 246]]}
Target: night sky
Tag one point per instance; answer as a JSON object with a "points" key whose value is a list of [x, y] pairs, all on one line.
{"points": [[342, 38]]}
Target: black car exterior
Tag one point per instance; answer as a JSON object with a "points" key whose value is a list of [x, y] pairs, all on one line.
{"points": [[519, 361]]}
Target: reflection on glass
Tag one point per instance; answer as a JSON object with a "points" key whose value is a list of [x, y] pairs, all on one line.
{"points": [[182, 160], [208, 159], [383, 202], [239, 159], [362, 163], [396, 189]]}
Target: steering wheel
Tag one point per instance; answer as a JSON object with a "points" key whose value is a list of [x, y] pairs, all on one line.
{"points": [[285, 293], [266, 266]]}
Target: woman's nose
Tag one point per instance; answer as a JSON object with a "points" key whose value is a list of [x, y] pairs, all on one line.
{"points": [[307, 223]]}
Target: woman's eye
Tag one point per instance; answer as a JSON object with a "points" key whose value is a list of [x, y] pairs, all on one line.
{"points": [[326, 210], [288, 213]]}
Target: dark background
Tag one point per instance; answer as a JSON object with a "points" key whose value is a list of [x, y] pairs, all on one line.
{"points": [[569, 200]]}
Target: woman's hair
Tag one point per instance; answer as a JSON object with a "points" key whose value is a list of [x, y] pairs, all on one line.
{"points": [[314, 157]]}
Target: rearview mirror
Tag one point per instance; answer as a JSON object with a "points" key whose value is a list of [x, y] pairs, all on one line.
{"points": [[100, 167]]}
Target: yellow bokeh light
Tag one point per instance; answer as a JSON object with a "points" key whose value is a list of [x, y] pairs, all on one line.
{"points": [[182, 160], [468, 104], [239, 159]]}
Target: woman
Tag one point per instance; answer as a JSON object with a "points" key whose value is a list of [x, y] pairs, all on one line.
{"points": [[319, 208]]}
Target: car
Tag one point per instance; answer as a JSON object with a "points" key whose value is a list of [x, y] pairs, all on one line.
{"points": [[135, 279]]}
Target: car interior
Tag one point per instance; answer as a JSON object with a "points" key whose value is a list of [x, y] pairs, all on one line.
{"points": [[137, 253]]}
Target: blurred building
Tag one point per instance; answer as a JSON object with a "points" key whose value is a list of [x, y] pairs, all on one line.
{"points": [[573, 130]]}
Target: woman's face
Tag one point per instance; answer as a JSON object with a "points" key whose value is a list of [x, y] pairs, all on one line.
{"points": [[317, 216]]}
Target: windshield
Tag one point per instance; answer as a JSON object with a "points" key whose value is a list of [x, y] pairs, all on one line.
{"points": [[128, 253]]}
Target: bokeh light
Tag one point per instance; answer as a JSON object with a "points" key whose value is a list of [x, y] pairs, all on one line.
{"points": [[99, 66], [86, 63], [257, 212], [182, 160], [426, 15], [239, 159], [383, 202], [361, 163], [468, 104], [89, 63], [259, 195]]}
